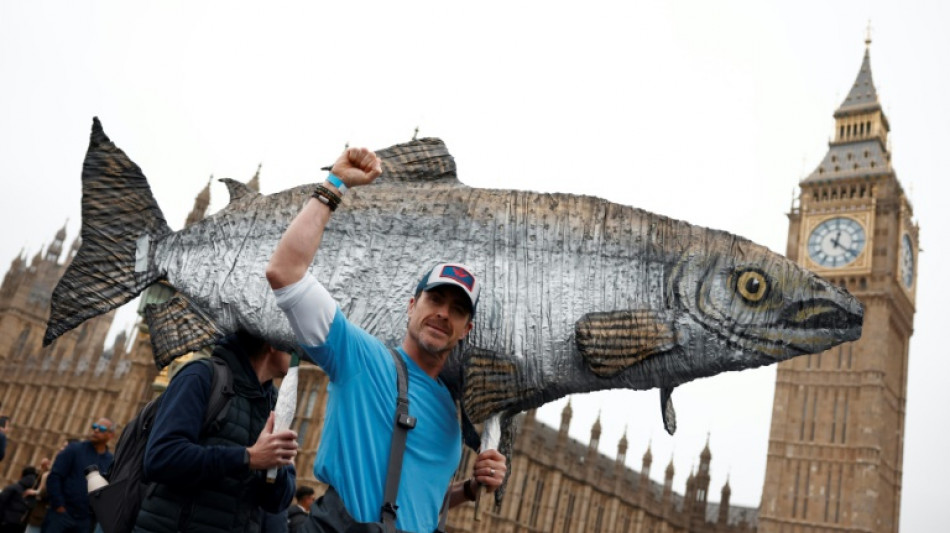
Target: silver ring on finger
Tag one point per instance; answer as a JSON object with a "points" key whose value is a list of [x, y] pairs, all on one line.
{"points": [[491, 472]]}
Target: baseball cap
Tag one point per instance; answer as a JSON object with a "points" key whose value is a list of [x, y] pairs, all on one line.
{"points": [[452, 274]]}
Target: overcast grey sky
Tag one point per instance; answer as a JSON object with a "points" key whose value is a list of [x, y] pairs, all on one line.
{"points": [[705, 111]]}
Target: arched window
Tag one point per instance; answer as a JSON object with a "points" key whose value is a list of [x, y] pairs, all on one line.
{"points": [[21, 341]]}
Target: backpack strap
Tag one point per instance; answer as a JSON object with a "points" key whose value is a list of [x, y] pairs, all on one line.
{"points": [[401, 426], [444, 512], [222, 389]]}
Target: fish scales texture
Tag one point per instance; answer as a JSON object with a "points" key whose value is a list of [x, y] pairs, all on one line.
{"points": [[578, 294]]}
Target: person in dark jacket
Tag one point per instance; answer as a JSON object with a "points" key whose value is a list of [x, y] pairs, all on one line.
{"points": [[13, 504], [37, 498], [297, 514], [215, 482], [69, 509], [4, 421]]}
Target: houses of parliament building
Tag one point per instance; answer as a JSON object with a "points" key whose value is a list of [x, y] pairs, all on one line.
{"points": [[836, 440]]}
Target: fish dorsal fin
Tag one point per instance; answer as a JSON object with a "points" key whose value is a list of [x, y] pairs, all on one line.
{"points": [[176, 327], [424, 160], [238, 190]]}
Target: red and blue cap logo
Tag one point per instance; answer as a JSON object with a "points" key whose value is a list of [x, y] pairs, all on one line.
{"points": [[452, 274]]}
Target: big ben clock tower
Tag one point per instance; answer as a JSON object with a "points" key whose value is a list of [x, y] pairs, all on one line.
{"points": [[836, 441]]}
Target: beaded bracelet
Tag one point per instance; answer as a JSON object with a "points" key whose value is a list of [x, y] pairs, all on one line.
{"points": [[328, 197], [337, 182]]}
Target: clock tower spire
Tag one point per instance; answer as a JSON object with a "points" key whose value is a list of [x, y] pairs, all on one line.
{"points": [[836, 443]]}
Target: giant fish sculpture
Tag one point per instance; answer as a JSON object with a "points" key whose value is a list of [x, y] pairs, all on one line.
{"points": [[578, 294]]}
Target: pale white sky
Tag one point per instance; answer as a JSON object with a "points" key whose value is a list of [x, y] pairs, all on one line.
{"points": [[705, 111]]}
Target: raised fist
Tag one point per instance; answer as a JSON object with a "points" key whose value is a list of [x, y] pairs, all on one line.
{"points": [[357, 166]]}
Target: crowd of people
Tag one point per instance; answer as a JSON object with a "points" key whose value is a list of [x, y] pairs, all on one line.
{"points": [[383, 472]]}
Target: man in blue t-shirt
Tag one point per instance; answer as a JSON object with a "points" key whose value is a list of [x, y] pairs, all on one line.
{"points": [[353, 456]]}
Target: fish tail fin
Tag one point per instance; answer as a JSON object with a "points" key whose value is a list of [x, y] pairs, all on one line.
{"points": [[120, 221]]}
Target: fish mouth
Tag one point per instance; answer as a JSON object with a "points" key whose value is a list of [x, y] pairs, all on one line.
{"points": [[826, 318]]}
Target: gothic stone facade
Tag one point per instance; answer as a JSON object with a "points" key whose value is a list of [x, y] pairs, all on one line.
{"points": [[836, 444]]}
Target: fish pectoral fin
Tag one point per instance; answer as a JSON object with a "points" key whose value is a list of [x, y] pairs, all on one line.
{"points": [[612, 341], [177, 327], [667, 411]]}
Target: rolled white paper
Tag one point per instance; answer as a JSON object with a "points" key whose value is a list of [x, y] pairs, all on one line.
{"points": [[284, 411]]}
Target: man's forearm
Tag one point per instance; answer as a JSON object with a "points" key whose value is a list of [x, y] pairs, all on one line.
{"points": [[463, 491], [298, 246]]}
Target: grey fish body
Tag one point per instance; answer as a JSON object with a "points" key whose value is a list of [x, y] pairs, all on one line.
{"points": [[578, 293], [545, 261]]}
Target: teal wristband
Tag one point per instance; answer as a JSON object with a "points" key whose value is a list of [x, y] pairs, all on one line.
{"points": [[337, 182]]}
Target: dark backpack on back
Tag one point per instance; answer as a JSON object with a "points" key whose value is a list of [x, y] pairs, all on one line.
{"points": [[117, 504]]}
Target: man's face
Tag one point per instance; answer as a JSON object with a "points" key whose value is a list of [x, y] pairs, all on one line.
{"points": [[439, 318], [279, 361], [307, 501], [101, 431]]}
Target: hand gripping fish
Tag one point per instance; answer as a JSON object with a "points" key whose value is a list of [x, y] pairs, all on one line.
{"points": [[578, 294]]}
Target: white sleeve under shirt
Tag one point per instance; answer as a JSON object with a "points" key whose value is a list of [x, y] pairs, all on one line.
{"points": [[309, 308]]}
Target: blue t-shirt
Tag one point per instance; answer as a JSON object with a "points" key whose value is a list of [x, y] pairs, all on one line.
{"points": [[354, 449]]}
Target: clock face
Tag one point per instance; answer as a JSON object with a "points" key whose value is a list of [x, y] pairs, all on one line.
{"points": [[836, 242], [907, 261]]}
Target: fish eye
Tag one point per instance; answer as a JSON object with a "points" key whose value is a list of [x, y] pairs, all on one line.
{"points": [[752, 286]]}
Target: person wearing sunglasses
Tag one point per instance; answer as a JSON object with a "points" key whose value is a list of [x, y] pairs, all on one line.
{"points": [[69, 509]]}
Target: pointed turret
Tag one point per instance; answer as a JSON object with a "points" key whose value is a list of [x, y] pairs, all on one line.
{"points": [[668, 481], [202, 201], [566, 415], [595, 431], [859, 149], [56, 247], [19, 261], [645, 467], [255, 183], [622, 447], [724, 503], [863, 95], [593, 446], [701, 482]]}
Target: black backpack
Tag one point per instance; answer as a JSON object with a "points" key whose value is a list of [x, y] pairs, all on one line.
{"points": [[116, 505]]}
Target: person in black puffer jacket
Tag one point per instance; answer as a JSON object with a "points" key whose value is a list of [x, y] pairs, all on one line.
{"points": [[13, 505], [216, 482]]}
